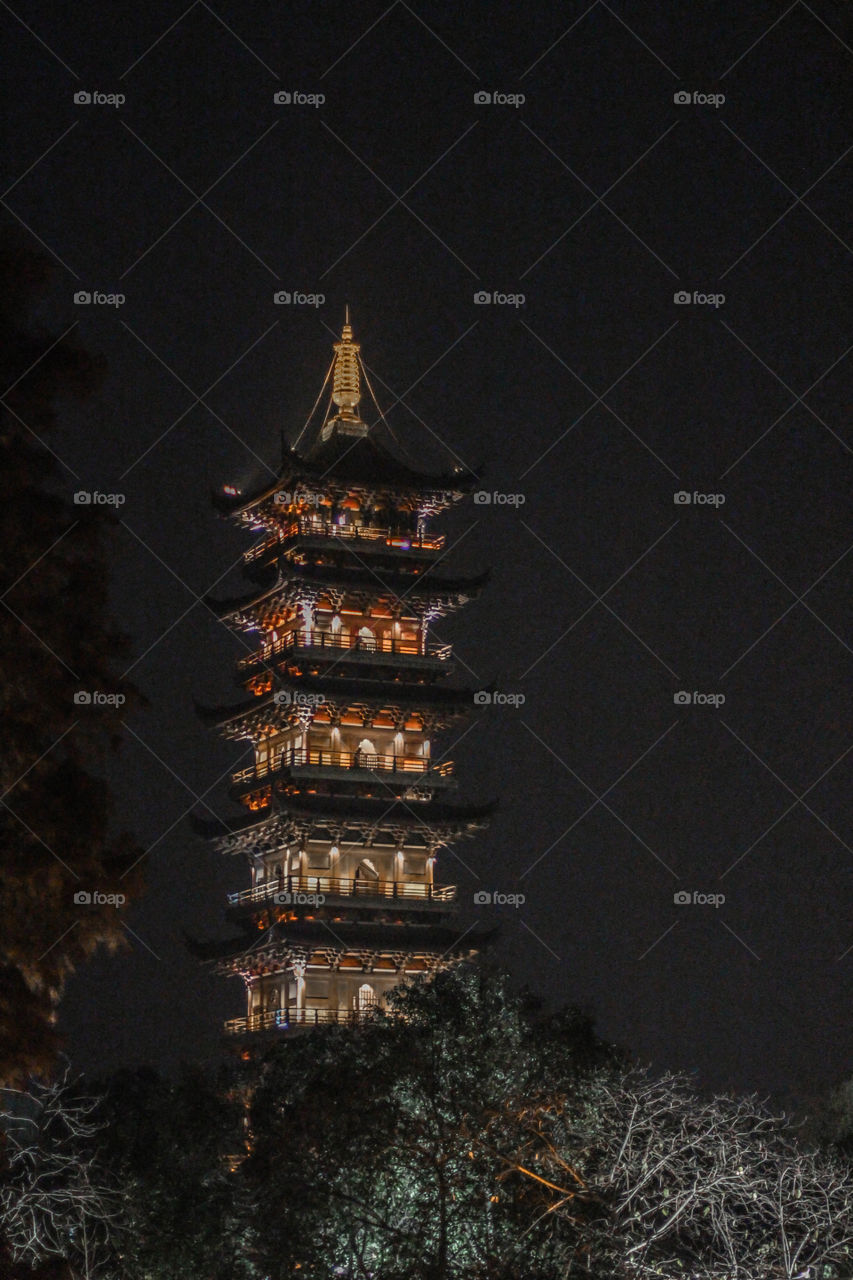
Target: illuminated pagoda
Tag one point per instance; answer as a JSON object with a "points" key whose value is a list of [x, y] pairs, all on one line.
{"points": [[346, 803]]}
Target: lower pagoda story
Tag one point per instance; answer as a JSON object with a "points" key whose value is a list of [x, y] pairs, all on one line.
{"points": [[346, 802]]}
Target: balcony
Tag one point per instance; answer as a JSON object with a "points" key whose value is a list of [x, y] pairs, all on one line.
{"points": [[339, 644], [370, 535], [331, 888], [283, 1019], [357, 766]]}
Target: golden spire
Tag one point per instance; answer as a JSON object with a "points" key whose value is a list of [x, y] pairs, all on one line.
{"points": [[346, 391], [346, 386]]}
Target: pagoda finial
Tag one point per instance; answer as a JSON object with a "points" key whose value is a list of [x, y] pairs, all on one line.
{"points": [[346, 388]]}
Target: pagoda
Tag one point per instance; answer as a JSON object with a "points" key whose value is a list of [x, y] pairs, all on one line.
{"points": [[347, 801]]}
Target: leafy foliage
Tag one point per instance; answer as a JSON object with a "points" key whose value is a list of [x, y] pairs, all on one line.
{"points": [[400, 1137], [173, 1150]]}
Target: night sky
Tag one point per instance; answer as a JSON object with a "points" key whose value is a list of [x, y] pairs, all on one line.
{"points": [[590, 403]]}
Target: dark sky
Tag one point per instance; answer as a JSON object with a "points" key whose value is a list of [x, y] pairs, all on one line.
{"points": [[596, 400]]}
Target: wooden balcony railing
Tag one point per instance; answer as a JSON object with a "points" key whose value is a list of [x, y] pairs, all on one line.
{"points": [[285, 1018], [331, 886], [361, 760], [317, 528], [339, 642]]}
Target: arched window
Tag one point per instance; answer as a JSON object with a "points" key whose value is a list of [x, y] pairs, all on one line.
{"points": [[366, 997]]}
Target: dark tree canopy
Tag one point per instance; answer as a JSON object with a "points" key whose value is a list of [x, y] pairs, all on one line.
{"points": [[56, 639]]}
